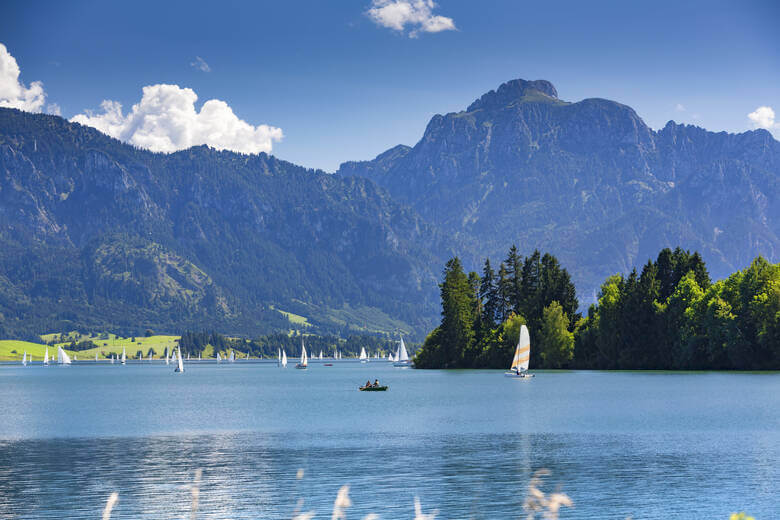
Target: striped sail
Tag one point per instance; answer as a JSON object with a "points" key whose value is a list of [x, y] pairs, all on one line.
{"points": [[523, 351]]}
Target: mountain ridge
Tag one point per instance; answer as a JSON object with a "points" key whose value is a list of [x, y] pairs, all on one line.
{"points": [[519, 165]]}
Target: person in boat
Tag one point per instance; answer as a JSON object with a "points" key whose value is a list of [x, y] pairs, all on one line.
{"points": [[368, 384], [376, 383]]}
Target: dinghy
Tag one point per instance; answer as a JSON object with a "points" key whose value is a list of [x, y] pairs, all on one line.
{"points": [[519, 368], [62, 357], [304, 363], [372, 388], [180, 363], [401, 356]]}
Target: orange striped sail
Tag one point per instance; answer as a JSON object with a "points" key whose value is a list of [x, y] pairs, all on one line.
{"points": [[523, 351]]}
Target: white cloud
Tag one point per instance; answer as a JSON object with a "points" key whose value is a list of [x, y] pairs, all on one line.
{"points": [[165, 120], [417, 15], [763, 117], [680, 107], [200, 64], [13, 93], [53, 109]]}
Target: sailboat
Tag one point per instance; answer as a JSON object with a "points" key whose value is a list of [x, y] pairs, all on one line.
{"points": [[24, 359], [46, 357], [124, 356], [150, 355], [363, 356], [62, 357], [519, 366], [401, 356], [232, 357], [75, 357], [180, 363], [96, 357], [284, 359], [304, 363], [320, 354], [167, 355], [112, 358], [219, 358]]}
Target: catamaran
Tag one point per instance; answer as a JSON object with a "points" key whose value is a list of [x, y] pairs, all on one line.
{"points": [[124, 356], [180, 363], [284, 359], [62, 357], [304, 363], [519, 366], [401, 356], [363, 356], [46, 357]]}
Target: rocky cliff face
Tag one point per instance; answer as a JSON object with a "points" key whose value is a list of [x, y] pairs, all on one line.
{"points": [[588, 181], [96, 232]]}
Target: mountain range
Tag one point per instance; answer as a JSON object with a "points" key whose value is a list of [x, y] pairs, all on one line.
{"points": [[97, 234]]}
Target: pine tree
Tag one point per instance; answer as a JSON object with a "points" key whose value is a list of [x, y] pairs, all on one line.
{"points": [[488, 293]]}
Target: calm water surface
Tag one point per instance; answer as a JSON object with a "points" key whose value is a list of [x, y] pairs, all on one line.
{"points": [[645, 445]]}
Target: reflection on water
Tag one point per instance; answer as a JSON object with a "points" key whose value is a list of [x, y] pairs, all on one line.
{"points": [[465, 443]]}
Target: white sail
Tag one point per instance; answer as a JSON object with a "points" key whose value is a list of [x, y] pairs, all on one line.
{"points": [[24, 358], [96, 357], [150, 355], [124, 356], [232, 357], [402, 355], [62, 357], [75, 357], [389, 357], [198, 356], [320, 354], [167, 355], [278, 356], [180, 367], [112, 358], [304, 358], [363, 353], [284, 358], [522, 352], [46, 357], [219, 358]]}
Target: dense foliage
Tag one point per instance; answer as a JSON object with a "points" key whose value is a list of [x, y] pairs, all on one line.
{"points": [[669, 316], [481, 316]]}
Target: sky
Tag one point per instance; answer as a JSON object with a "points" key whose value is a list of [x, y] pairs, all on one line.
{"points": [[322, 82]]}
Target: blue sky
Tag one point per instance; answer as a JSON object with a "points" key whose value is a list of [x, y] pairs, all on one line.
{"points": [[341, 85]]}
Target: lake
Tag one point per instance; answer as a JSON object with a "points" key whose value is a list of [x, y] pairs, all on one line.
{"points": [[639, 444]]}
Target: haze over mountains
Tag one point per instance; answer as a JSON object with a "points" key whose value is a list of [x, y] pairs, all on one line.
{"points": [[96, 233]]}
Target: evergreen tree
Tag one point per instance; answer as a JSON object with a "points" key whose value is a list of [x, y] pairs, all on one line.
{"points": [[514, 272], [504, 293], [457, 296], [488, 293]]}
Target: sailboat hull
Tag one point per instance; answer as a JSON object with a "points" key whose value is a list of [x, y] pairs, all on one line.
{"points": [[521, 375], [301, 367], [402, 364]]}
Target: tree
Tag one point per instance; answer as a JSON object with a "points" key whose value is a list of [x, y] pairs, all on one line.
{"points": [[488, 293], [556, 343], [457, 296]]}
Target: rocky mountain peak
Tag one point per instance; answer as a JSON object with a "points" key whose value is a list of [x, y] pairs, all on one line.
{"points": [[512, 91]]}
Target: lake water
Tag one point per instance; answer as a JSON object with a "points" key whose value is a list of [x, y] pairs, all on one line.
{"points": [[641, 444]]}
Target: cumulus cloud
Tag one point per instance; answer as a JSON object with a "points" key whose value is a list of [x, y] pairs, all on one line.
{"points": [[200, 64], [416, 15], [165, 120], [763, 117], [13, 93]]}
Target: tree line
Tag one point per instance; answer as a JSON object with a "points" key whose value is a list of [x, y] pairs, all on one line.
{"points": [[482, 315], [668, 316]]}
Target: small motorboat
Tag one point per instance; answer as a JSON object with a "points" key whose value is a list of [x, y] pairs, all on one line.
{"points": [[328, 365], [372, 388]]}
